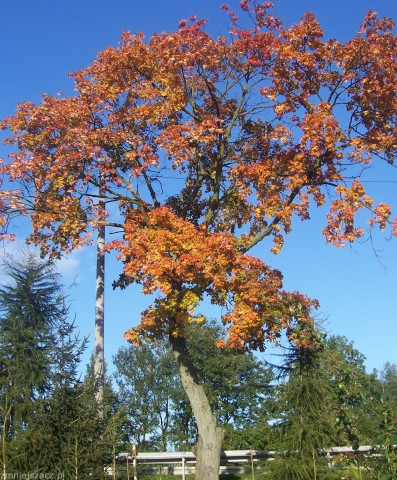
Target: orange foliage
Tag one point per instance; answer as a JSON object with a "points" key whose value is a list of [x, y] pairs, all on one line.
{"points": [[185, 263], [208, 146]]}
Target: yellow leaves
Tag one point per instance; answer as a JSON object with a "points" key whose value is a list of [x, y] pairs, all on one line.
{"points": [[182, 128], [270, 93], [382, 213], [341, 219], [355, 196], [186, 302], [199, 320], [278, 242], [183, 263], [281, 109], [132, 336], [220, 344], [322, 133]]}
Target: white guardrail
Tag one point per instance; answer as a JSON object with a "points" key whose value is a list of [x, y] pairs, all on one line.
{"points": [[232, 461]]}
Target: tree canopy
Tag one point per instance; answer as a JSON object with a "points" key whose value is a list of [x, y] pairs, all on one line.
{"points": [[208, 146]]}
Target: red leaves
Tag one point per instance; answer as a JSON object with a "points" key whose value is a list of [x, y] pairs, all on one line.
{"points": [[244, 5], [341, 219], [208, 146], [184, 263]]}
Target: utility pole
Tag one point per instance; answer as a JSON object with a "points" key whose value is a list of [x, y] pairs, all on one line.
{"points": [[99, 350]]}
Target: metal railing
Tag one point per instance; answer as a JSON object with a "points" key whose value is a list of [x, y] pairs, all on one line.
{"points": [[232, 461]]}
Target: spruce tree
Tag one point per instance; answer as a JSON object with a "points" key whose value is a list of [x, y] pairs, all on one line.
{"points": [[39, 357], [304, 422], [31, 308], [324, 398], [62, 421]]}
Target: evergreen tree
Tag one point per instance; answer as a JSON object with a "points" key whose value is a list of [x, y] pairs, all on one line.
{"points": [[63, 426], [67, 434], [32, 309], [325, 398], [49, 418], [305, 421]]}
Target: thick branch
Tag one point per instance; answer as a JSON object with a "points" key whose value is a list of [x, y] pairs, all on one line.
{"points": [[222, 141]]}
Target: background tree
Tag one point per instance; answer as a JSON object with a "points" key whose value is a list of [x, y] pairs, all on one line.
{"points": [[64, 434], [147, 377], [355, 391], [81, 442], [113, 428], [388, 379], [305, 422], [46, 423], [257, 127], [325, 398], [32, 309], [158, 409], [381, 402], [49, 417]]}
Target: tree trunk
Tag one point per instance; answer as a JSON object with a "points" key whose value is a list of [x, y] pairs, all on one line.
{"points": [[99, 349], [209, 446], [4, 439]]}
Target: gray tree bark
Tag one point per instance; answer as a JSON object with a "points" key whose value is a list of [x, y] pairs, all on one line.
{"points": [[209, 445]]}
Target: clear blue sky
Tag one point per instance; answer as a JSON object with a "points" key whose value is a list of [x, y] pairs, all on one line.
{"points": [[41, 41]]}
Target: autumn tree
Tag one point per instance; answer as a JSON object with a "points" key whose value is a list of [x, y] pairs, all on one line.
{"points": [[209, 146]]}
